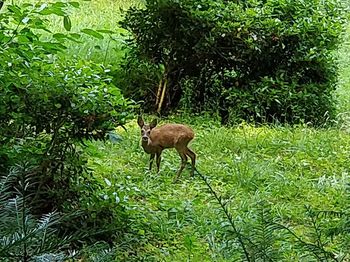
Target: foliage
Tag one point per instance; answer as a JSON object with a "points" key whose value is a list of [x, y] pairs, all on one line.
{"points": [[262, 174], [98, 252], [342, 93], [49, 107], [253, 60]]}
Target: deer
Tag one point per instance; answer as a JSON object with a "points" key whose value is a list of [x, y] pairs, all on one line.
{"points": [[155, 139]]}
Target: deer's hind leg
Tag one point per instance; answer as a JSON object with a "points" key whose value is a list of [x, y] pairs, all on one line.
{"points": [[183, 164], [192, 155]]}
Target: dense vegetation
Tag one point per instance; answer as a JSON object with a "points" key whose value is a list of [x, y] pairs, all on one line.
{"points": [[73, 179], [252, 60]]}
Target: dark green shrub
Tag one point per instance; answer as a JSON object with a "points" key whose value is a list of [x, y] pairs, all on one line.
{"points": [[268, 60]]}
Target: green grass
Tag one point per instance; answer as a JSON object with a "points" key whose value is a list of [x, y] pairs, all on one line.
{"points": [[286, 168], [98, 14]]}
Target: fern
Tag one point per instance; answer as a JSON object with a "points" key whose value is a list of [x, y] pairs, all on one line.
{"points": [[235, 230], [315, 246], [260, 242], [22, 236], [99, 252], [256, 246], [263, 235]]}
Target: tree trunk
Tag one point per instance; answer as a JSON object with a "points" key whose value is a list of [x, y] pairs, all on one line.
{"points": [[161, 100]]}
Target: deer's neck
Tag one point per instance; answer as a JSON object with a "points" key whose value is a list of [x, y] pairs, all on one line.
{"points": [[148, 147]]}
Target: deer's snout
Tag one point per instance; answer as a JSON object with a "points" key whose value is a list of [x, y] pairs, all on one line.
{"points": [[145, 138]]}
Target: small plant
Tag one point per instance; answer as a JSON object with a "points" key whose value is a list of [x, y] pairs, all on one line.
{"points": [[236, 232], [258, 240]]}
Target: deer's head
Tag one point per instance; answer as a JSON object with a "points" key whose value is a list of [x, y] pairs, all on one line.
{"points": [[146, 128]]}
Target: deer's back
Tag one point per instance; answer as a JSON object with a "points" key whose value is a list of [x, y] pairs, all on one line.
{"points": [[170, 135]]}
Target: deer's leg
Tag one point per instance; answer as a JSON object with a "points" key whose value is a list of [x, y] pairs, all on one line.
{"points": [[158, 158], [192, 155], [183, 164], [151, 161]]}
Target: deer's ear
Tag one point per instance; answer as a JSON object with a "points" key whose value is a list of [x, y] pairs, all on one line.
{"points": [[140, 121], [153, 123]]}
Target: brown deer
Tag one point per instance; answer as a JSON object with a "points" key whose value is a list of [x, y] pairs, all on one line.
{"points": [[156, 139]]}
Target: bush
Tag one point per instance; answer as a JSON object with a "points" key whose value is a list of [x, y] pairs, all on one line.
{"points": [[48, 109], [268, 60]]}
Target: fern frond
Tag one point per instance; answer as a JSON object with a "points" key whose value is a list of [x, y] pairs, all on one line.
{"points": [[21, 234], [263, 235]]}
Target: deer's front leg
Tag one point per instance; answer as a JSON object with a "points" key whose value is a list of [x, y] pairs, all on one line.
{"points": [[158, 158], [151, 161]]}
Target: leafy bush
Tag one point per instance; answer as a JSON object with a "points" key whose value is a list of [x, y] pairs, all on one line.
{"points": [[267, 60], [48, 108]]}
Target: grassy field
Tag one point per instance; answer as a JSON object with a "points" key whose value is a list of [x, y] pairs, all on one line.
{"points": [[285, 169]]}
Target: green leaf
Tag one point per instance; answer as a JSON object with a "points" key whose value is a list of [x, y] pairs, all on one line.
{"points": [[75, 35], [59, 5], [22, 39], [92, 33], [74, 4], [53, 11], [189, 242], [104, 31], [59, 36], [67, 23], [15, 9]]}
